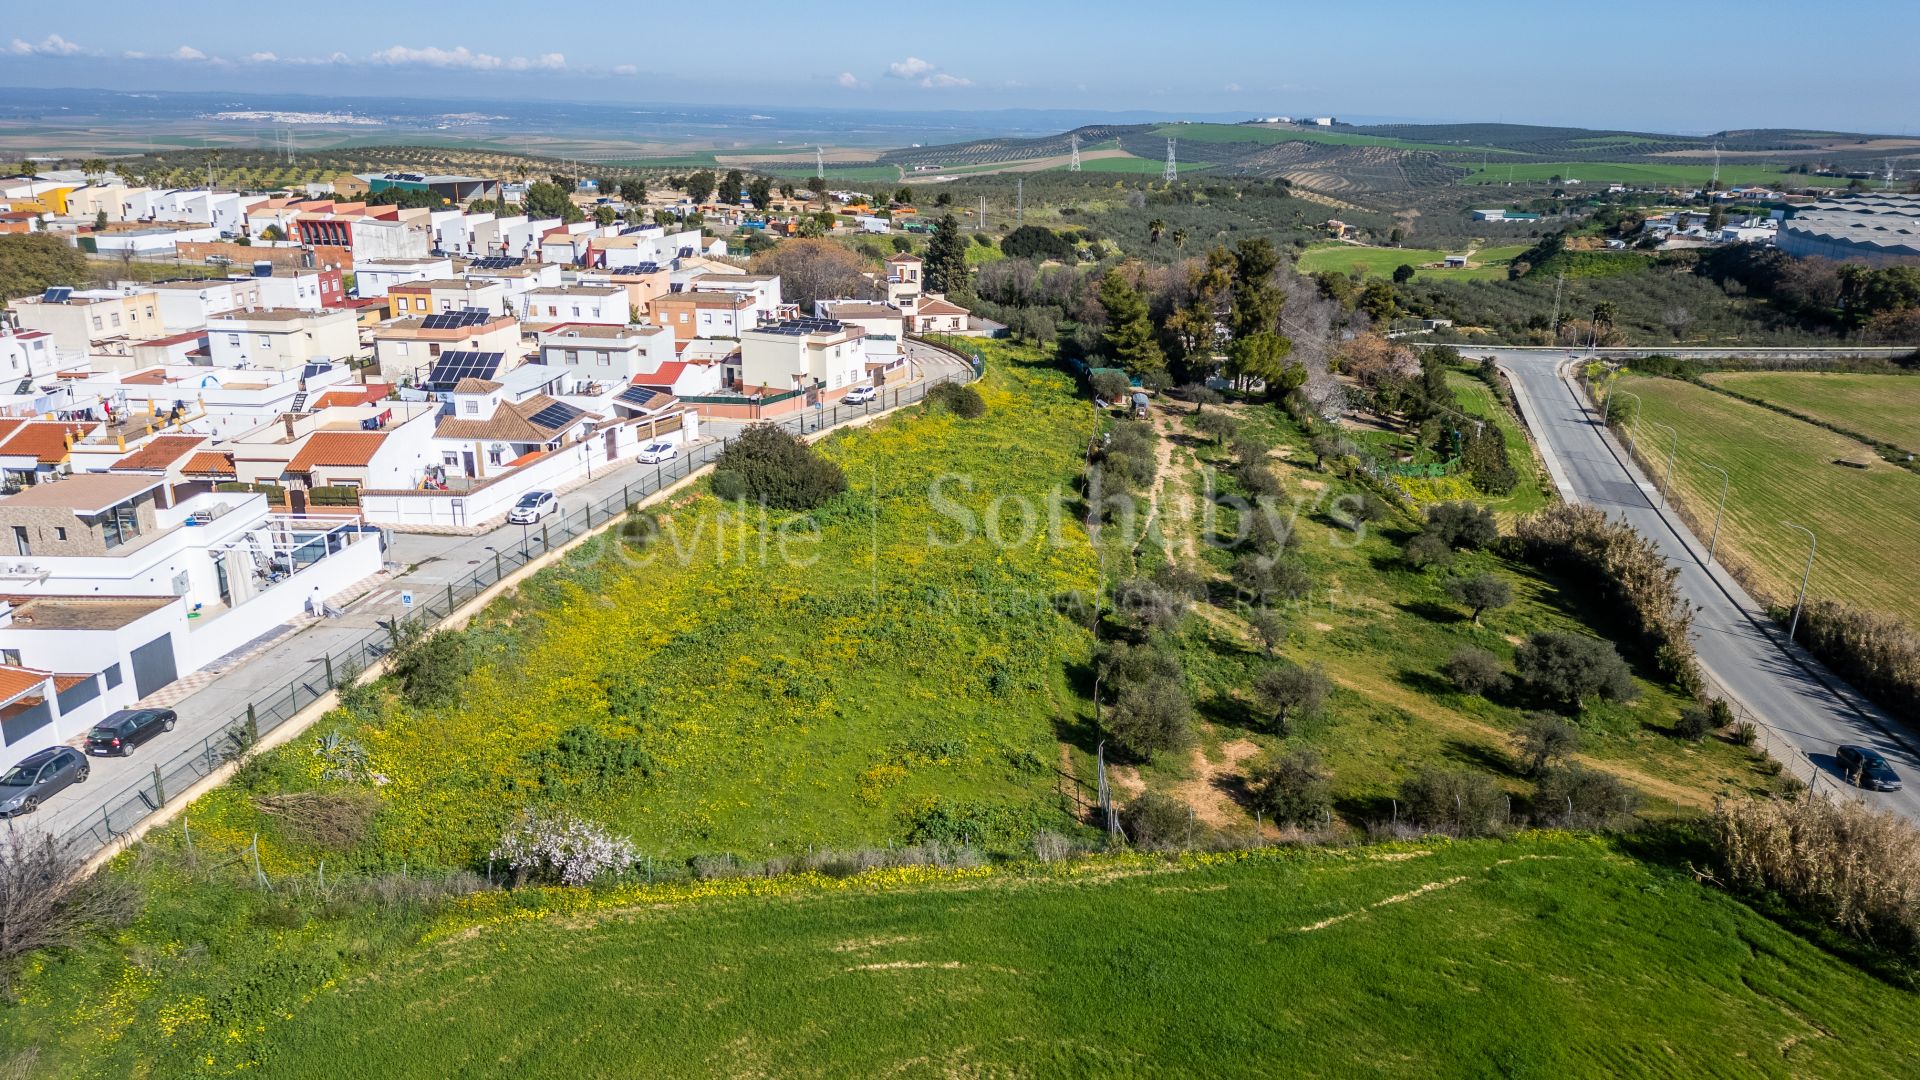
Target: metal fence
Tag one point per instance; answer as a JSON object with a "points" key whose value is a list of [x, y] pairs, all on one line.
{"points": [[170, 779]]}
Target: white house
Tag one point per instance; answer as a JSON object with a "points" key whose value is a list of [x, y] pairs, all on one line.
{"points": [[605, 304], [595, 354], [373, 277], [282, 337], [813, 354]]}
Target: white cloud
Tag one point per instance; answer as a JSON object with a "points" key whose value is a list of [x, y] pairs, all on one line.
{"points": [[544, 62], [261, 58], [186, 53], [625, 69], [847, 80], [942, 79], [434, 56], [51, 45], [1232, 88], [911, 68]]}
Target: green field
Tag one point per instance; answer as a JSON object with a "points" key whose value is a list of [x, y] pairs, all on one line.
{"points": [[1643, 173], [1542, 957], [1136, 165], [1246, 133], [1487, 263], [1867, 519], [1536, 488], [1882, 407]]}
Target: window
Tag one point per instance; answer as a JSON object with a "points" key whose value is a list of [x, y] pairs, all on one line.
{"points": [[605, 358], [97, 325], [573, 356], [116, 318], [122, 524], [112, 675], [266, 342], [450, 459], [496, 457], [21, 545], [10, 657], [60, 533], [400, 347], [553, 311], [576, 311], [471, 405]]}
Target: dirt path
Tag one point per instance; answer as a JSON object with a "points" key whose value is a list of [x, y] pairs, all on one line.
{"points": [[1210, 789], [1172, 498]]}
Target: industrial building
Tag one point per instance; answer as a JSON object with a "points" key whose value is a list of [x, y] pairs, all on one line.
{"points": [[1874, 226]]}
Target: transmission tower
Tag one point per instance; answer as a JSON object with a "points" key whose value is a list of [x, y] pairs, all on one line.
{"points": [[1716, 166], [1172, 171], [1074, 166], [820, 162], [983, 212], [1558, 284]]}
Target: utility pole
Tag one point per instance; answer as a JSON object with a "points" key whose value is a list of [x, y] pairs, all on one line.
{"points": [[1559, 283], [983, 213], [1666, 485], [1813, 545]]}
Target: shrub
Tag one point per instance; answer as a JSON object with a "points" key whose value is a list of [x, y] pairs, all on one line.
{"points": [[778, 468], [1217, 425], [1268, 531], [1148, 605], [46, 902], [331, 819], [1158, 822], [1745, 733], [560, 848], [1462, 525], [1289, 691], [1487, 463], [432, 668], [1474, 671], [1572, 667], [1110, 385], [1151, 716], [1265, 578], [1629, 570], [1857, 867], [1292, 790], [959, 399], [1543, 739], [1579, 797], [1356, 510], [1456, 802], [1878, 653], [1268, 626], [1480, 593], [1697, 721], [1249, 450]]}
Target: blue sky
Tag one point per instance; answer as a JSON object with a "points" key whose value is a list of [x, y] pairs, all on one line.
{"points": [[1629, 63]]}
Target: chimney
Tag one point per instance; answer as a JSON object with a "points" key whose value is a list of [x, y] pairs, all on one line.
{"points": [[287, 419]]}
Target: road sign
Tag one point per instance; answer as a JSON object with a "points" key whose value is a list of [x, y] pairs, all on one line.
{"points": [[406, 599]]}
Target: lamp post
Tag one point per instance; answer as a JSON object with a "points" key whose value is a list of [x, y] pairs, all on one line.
{"points": [[1608, 415], [1672, 453], [1813, 545], [497, 573], [1726, 482]]}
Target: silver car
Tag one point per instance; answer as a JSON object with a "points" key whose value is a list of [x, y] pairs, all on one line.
{"points": [[38, 777]]}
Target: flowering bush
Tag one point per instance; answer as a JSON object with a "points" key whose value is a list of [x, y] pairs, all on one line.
{"points": [[561, 848]]}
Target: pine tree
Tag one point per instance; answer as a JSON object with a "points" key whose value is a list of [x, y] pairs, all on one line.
{"points": [[1129, 337]]}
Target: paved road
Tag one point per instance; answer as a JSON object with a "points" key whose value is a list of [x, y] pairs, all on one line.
{"points": [[423, 563], [1736, 642]]}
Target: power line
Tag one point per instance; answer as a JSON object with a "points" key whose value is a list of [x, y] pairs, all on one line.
{"points": [[1172, 171]]}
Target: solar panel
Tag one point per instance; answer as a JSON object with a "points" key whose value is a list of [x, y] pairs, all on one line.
{"points": [[471, 317], [555, 416], [637, 395], [454, 366], [438, 321], [59, 294]]}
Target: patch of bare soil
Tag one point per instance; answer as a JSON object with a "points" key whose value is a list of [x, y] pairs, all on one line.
{"points": [[1213, 785]]}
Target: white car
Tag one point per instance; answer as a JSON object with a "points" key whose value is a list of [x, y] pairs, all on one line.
{"points": [[533, 506], [654, 453], [860, 395]]}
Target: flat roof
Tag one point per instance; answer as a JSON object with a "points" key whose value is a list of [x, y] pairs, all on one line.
{"points": [[82, 612], [85, 493]]}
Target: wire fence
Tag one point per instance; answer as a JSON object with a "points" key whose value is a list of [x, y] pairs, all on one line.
{"points": [[125, 809]]}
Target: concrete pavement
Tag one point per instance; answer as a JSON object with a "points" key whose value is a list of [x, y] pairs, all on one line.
{"points": [[1738, 645]]}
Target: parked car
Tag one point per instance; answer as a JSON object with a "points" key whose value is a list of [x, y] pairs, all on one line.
{"points": [[654, 453], [1865, 768], [38, 777], [860, 395], [128, 728], [533, 506]]}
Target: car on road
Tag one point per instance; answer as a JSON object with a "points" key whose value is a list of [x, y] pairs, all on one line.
{"points": [[38, 777], [1865, 768], [654, 453], [860, 395], [128, 728], [533, 506]]}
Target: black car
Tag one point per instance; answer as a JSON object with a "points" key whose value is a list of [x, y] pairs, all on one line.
{"points": [[38, 776], [128, 728], [1866, 768]]}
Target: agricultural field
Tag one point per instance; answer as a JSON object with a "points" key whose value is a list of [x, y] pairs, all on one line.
{"points": [[1485, 264], [1645, 172], [1867, 517], [1882, 407], [1544, 956], [1536, 487], [1248, 133]]}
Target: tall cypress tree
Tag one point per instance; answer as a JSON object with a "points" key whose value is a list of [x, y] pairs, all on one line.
{"points": [[946, 259], [1129, 337]]}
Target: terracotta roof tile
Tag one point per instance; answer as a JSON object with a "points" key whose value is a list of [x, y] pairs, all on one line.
{"points": [[337, 448], [209, 463], [159, 452], [47, 441]]}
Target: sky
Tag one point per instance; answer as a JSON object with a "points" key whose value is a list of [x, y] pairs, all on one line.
{"points": [[1845, 65]]}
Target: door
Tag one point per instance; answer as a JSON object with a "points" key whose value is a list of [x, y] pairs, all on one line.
{"points": [[220, 578], [153, 665], [20, 544], [466, 462], [613, 448]]}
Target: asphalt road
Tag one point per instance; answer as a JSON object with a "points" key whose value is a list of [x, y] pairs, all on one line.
{"points": [[426, 564], [1736, 642]]}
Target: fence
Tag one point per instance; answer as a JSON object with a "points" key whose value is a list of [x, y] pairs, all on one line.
{"points": [[124, 810]]}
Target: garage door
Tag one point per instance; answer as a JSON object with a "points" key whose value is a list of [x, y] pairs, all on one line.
{"points": [[153, 665]]}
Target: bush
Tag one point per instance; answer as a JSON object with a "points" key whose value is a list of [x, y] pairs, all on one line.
{"points": [[1462, 525], [1578, 797], [1356, 510], [432, 669], [1745, 733], [1217, 425], [1571, 668], [772, 465], [1836, 859], [1151, 716], [1543, 739], [1698, 721], [1289, 691], [959, 399], [1265, 578], [1036, 242], [1455, 802], [1269, 627], [1628, 569], [1427, 551], [1878, 653], [1148, 605], [560, 848], [330, 819], [1475, 671], [46, 902], [1292, 790], [1158, 822]]}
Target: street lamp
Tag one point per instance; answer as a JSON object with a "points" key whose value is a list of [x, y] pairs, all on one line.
{"points": [[1813, 545], [1611, 394], [497, 574], [1726, 482], [524, 553], [1672, 453]]}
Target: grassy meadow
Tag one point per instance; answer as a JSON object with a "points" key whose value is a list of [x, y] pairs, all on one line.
{"points": [[1646, 172], [1548, 956], [1867, 519], [1484, 264], [1883, 407]]}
